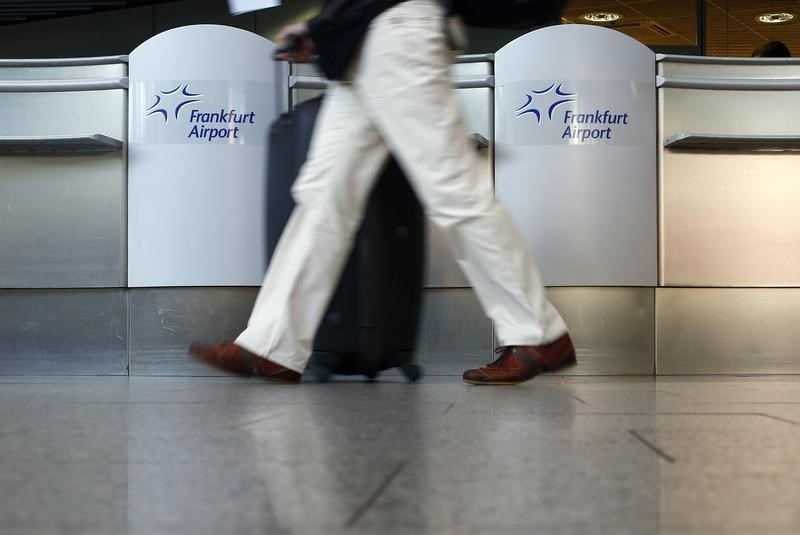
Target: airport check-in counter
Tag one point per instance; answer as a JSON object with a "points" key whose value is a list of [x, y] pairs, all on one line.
{"points": [[62, 215], [575, 166], [62, 177], [202, 99], [729, 270], [701, 275]]}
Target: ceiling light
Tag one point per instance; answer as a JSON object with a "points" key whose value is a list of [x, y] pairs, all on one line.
{"points": [[775, 18], [601, 17]]}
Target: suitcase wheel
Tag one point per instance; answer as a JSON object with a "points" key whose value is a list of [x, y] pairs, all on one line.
{"points": [[412, 372], [321, 373]]}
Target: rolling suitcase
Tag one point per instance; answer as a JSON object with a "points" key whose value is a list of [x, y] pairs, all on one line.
{"points": [[371, 323]]}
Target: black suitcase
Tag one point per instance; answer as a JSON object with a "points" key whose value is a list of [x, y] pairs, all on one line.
{"points": [[371, 323]]}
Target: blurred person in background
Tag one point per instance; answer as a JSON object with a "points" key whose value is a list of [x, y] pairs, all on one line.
{"points": [[772, 49]]}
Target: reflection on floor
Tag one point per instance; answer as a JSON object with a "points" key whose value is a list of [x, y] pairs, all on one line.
{"points": [[230, 456]]}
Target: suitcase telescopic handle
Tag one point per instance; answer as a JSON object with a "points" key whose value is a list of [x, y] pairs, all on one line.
{"points": [[480, 142]]}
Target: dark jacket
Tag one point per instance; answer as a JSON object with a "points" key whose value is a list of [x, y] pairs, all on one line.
{"points": [[339, 30]]}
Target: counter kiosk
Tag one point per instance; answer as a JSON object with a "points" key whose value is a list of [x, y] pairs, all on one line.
{"points": [[202, 99], [63, 307], [575, 163], [729, 219], [121, 245]]}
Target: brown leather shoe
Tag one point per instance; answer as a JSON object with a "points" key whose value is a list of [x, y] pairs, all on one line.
{"points": [[518, 364], [231, 358]]}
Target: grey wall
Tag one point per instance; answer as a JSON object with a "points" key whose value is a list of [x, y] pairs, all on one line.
{"points": [[111, 32], [120, 31]]}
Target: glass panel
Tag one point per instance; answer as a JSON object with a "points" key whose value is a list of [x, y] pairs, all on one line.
{"points": [[734, 28], [655, 23]]}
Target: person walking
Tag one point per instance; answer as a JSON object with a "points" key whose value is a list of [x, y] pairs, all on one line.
{"points": [[390, 61]]}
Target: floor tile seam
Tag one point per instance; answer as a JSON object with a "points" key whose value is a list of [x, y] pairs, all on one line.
{"points": [[170, 390], [448, 408], [65, 462], [117, 463], [780, 419], [61, 436], [264, 402], [140, 403], [244, 425], [746, 402], [671, 413], [354, 518], [653, 447]]}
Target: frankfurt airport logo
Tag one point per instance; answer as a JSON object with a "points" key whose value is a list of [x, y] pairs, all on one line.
{"points": [[167, 99], [218, 123], [545, 99], [553, 102]]}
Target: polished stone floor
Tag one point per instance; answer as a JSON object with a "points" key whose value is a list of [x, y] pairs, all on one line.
{"points": [[711, 455]]}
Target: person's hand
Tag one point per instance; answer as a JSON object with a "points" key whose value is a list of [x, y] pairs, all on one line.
{"points": [[295, 44]]}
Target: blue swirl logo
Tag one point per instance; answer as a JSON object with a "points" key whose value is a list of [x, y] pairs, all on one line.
{"points": [[169, 103], [545, 101]]}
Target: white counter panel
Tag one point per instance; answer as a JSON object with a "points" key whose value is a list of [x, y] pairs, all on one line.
{"points": [[575, 122], [202, 102]]}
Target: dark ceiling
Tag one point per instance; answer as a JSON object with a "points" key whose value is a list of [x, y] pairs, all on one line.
{"points": [[19, 11], [731, 25]]}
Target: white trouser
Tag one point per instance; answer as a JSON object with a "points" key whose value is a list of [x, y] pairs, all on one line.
{"points": [[399, 99]]}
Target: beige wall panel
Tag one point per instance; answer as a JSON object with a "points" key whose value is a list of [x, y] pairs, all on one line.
{"points": [[730, 219], [701, 111]]}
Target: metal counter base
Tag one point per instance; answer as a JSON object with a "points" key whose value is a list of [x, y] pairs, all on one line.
{"points": [[728, 331], [164, 321], [613, 329], [64, 332], [617, 331], [145, 332]]}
